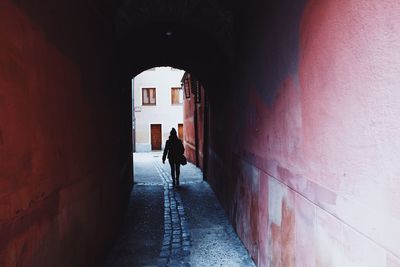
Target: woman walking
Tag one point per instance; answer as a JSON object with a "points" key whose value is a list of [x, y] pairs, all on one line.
{"points": [[174, 149]]}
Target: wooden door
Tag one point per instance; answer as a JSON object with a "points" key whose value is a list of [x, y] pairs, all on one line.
{"points": [[155, 136], [180, 131]]}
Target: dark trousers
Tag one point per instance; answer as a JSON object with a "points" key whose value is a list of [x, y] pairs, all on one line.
{"points": [[175, 170]]}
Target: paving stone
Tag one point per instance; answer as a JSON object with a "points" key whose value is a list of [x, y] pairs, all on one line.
{"points": [[176, 245], [167, 236], [164, 254], [185, 252], [162, 262]]}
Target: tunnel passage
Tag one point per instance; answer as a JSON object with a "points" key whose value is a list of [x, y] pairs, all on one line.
{"points": [[303, 129]]}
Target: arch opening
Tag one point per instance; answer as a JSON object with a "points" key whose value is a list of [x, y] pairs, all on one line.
{"points": [[164, 98]]}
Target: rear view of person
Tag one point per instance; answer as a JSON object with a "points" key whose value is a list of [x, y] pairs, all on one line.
{"points": [[174, 149]]}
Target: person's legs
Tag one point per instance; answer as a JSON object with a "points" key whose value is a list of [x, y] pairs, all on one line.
{"points": [[172, 164], [178, 172]]}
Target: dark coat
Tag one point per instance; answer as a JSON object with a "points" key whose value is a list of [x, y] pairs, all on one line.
{"points": [[174, 148]]}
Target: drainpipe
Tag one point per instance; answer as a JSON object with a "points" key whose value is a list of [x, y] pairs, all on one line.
{"points": [[133, 117], [205, 138], [196, 132]]}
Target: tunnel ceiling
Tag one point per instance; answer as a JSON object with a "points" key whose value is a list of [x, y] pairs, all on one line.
{"points": [[209, 36], [208, 16], [202, 39]]}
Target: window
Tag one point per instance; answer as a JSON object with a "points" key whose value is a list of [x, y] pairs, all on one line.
{"points": [[176, 96], [148, 96]]}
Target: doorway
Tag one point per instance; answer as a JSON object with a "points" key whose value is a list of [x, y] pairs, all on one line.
{"points": [[180, 131], [155, 136]]}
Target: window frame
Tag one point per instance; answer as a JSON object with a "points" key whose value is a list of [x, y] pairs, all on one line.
{"points": [[155, 96], [180, 99]]}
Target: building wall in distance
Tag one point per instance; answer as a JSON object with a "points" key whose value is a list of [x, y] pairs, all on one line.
{"points": [[164, 113]]}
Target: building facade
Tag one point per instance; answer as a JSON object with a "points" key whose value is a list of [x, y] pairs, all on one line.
{"points": [[195, 121], [157, 107]]}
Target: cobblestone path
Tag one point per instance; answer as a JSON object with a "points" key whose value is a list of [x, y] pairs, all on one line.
{"points": [[167, 226], [176, 241]]}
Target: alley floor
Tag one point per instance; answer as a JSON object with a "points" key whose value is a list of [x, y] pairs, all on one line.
{"points": [[185, 226]]}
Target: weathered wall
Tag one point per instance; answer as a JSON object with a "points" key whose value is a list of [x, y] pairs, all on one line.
{"points": [[305, 159], [63, 176]]}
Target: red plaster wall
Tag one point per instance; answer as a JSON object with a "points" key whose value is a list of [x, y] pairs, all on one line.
{"points": [[62, 173], [200, 117], [189, 128], [306, 159]]}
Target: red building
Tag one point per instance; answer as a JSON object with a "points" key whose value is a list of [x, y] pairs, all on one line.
{"points": [[194, 110]]}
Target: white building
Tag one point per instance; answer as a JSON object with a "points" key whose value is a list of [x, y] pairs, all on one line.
{"points": [[157, 107]]}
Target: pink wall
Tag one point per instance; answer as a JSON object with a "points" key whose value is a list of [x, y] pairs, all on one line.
{"points": [[315, 178], [57, 206]]}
